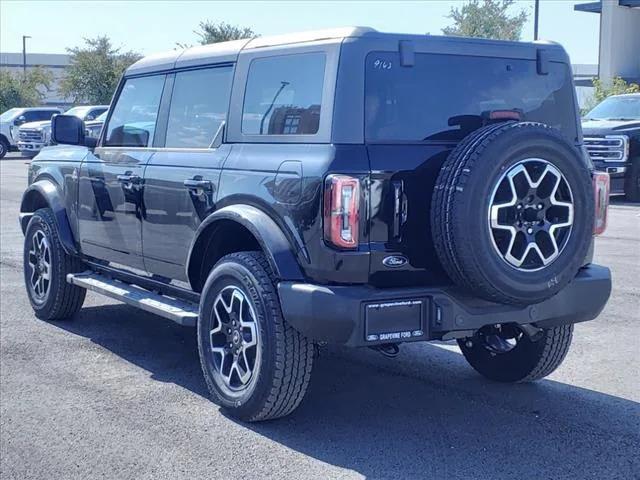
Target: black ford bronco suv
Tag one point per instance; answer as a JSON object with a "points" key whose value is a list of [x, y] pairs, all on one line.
{"points": [[344, 186]]}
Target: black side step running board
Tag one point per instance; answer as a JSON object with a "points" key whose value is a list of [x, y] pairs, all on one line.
{"points": [[180, 311]]}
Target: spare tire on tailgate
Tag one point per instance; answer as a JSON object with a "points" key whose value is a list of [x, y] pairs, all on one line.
{"points": [[512, 213]]}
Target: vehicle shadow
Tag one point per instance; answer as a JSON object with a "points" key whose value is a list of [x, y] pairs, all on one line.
{"points": [[425, 414]]}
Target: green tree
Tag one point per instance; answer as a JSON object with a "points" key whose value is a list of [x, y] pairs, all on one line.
{"points": [[18, 90], [211, 32], [95, 71], [487, 19]]}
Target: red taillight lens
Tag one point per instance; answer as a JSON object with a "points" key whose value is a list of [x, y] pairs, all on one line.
{"points": [[341, 211], [601, 191]]}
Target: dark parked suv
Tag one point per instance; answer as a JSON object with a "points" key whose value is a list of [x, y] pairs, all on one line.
{"points": [[343, 186]]}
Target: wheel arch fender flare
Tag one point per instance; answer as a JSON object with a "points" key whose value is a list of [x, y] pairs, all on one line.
{"points": [[265, 230], [45, 193]]}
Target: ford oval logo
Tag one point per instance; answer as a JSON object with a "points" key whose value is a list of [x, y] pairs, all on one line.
{"points": [[395, 261]]}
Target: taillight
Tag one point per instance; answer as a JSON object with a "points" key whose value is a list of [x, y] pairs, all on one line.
{"points": [[601, 192], [341, 210]]}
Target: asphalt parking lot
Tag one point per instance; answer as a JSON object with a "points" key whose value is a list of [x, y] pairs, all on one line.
{"points": [[118, 393]]}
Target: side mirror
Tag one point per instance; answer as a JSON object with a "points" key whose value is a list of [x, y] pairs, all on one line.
{"points": [[67, 130], [90, 117], [20, 120]]}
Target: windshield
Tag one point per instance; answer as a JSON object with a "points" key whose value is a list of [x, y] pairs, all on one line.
{"points": [[79, 112], [616, 108], [446, 97], [9, 114]]}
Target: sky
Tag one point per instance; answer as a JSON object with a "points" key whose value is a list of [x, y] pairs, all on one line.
{"points": [[152, 26]]}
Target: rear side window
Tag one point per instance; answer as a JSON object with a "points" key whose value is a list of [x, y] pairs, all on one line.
{"points": [[284, 95], [133, 121], [198, 107], [445, 97]]}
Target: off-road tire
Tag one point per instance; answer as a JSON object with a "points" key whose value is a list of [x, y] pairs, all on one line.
{"points": [[461, 202], [4, 147], [632, 182], [286, 355], [530, 360], [63, 300]]}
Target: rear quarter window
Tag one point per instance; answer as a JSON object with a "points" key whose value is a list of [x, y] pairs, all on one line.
{"points": [[284, 95], [444, 97]]}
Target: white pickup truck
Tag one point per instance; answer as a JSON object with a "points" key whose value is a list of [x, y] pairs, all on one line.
{"points": [[35, 135], [13, 118]]}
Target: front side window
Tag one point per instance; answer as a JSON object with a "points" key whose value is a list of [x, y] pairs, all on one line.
{"points": [[95, 113], [284, 95], [133, 121], [199, 105]]}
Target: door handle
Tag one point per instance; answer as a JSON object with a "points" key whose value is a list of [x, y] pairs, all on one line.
{"points": [[197, 184], [129, 179]]}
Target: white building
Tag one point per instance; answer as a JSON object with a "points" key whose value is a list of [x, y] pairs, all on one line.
{"points": [[55, 63], [619, 54]]}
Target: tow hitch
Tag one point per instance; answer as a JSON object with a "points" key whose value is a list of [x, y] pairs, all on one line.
{"points": [[389, 350]]}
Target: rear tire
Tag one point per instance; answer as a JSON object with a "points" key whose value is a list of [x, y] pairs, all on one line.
{"points": [[632, 182], [256, 366], [530, 359], [46, 265]]}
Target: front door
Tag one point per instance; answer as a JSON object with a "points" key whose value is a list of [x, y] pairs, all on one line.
{"points": [[181, 179], [111, 186]]}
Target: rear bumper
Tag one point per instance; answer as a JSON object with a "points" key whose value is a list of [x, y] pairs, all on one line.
{"points": [[365, 316]]}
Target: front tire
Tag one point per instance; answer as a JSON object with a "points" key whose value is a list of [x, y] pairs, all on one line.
{"points": [[256, 366], [506, 354], [4, 147], [46, 265]]}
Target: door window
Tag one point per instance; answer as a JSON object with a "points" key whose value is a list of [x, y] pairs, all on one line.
{"points": [[284, 95], [199, 104], [95, 113], [45, 115], [133, 121]]}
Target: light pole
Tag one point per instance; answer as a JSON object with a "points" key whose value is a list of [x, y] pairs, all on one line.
{"points": [[536, 11], [24, 55]]}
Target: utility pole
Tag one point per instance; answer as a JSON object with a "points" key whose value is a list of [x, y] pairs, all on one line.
{"points": [[24, 56], [535, 19]]}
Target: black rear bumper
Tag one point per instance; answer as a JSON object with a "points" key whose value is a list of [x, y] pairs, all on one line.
{"points": [[364, 316]]}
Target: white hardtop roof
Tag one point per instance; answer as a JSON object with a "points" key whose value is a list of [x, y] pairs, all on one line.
{"points": [[228, 51]]}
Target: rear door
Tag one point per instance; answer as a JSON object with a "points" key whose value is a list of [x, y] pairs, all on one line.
{"points": [[416, 114], [181, 180], [111, 184]]}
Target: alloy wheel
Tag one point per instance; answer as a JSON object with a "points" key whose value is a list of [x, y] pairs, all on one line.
{"points": [[531, 214], [40, 267], [235, 341]]}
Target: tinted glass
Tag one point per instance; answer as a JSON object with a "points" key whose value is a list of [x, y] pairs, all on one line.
{"points": [[198, 107], [32, 116], [617, 108], [445, 97], [133, 121], [284, 95], [95, 113], [40, 115]]}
